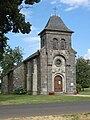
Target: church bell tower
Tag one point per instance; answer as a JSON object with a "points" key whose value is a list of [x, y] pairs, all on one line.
{"points": [[57, 58]]}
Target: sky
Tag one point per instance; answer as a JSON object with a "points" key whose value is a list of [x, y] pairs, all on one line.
{"points": [[74, 13]]}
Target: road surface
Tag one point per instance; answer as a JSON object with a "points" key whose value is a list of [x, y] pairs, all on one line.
{"points": [[26, 110]]}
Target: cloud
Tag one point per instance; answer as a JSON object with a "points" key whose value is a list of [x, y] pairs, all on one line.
{"points": [[73, 4], [54, 2], [70, 8], [31, 39], [33, 44], [87, 55], [27, 12], [34, 30]]}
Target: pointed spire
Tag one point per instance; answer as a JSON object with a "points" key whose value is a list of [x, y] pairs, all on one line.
{"points": [[55, 23]]}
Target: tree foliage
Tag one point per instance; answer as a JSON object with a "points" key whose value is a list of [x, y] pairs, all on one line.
{"points": [[83, 72], [12, 20], [11, 58]]}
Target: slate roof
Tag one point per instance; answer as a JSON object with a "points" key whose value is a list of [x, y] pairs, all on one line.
{"points": [[56, 23]]}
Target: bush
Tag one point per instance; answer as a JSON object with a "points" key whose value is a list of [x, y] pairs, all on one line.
{"points": [[20, 90], [78, 88]]}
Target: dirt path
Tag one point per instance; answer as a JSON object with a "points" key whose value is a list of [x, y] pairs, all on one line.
{"points": [[83, 116], [80, 95]]}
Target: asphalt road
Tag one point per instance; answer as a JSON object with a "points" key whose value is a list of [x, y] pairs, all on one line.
{"points": [[25, 110]]}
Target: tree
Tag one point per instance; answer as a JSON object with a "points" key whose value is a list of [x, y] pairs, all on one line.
{"points": [[12, 20], [83, 72], [11, 58]]}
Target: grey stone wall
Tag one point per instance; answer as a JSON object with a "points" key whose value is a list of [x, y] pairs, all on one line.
{"points": [[19, 77], [67, 71], [29, 76], [59, 70], [33, 76], [49, 70], [43, 70], [10, 82], [71, 73], [59, 35], [38, 76], [34, 89], [5, 84]]}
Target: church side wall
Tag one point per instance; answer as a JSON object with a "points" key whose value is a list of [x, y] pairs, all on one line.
{"points": [[29, 76], [38, 76], [4, 88], [34, 88], [19, 77], [33, 76], [10, 82]]}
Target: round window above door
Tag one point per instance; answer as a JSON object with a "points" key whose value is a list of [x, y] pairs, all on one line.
{"points": [[58, 62]]}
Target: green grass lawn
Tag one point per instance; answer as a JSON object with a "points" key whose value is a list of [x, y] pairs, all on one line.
{"points": [[35, 99]]}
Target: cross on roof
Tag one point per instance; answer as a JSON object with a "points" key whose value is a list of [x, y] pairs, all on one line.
{"points": [[55, 10]]}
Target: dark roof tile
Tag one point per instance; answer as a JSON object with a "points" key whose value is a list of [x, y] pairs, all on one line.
{"points": [[56, 23]]}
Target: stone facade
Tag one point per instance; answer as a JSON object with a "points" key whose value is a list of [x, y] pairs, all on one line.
{"points": [[4, 85], [19, 77], [50, 70], [14, 79]]}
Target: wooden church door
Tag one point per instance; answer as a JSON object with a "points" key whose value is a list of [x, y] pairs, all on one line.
{"points": [[58, 84]]}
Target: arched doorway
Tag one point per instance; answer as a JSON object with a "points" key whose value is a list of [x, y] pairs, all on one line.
{"points": [[58, 84]]}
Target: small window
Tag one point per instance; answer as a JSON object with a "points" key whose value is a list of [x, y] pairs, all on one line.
{"points": [[55, 44], [58, 62], [42, 42], [63, 44]]}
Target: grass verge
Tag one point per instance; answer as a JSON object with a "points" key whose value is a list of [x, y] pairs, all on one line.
{"points": [[31, 99]]}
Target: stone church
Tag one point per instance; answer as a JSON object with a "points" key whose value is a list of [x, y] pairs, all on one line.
{"points": [[51, 69]]}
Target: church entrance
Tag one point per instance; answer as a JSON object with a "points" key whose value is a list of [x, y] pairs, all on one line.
{"points": [[58, 84]]}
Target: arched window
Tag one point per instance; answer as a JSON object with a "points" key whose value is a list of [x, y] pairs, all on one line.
{"points": [[63, 44], [55, 44], [42, 43]]}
